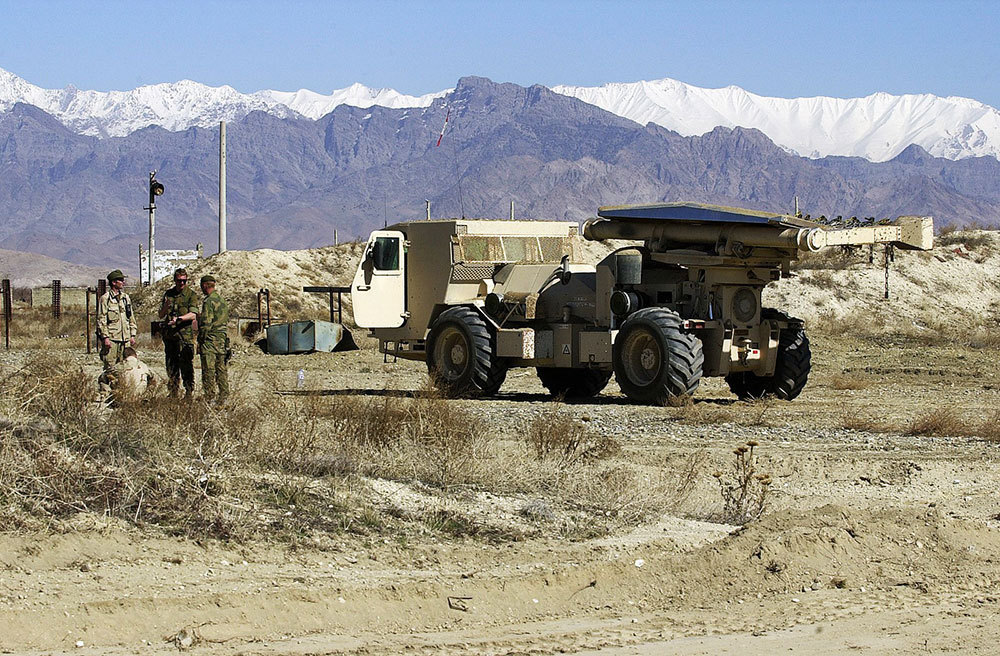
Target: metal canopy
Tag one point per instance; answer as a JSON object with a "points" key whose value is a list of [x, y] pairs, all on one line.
{"points": [[699, 212]]}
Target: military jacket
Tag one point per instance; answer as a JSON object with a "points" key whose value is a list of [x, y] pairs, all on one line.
{"points": [[180, 303], [115, 319], [212, 324]]}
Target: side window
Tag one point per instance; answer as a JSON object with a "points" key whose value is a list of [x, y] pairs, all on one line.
{"points": [[385, 253]]}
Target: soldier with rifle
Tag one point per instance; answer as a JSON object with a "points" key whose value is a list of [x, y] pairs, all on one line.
{"points": [[178, 337], [213, 342]]}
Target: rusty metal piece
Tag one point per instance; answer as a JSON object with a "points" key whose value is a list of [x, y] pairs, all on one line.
{"points": [[339, 291], [7, 311], [56, 299]]}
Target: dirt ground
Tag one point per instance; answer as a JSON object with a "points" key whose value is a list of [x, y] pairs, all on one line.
{"points": [[874, 542]]}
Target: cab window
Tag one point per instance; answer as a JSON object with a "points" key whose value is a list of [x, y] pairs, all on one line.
{"points": [[385, 253]]}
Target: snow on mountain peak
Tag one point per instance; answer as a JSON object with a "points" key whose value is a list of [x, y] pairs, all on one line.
{"points": [[877, 127], [186, 103]]}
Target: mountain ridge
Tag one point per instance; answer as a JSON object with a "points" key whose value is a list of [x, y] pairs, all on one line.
{"points": [[877, 127]]}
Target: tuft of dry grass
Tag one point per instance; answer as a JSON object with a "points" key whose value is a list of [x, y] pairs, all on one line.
{"points": [[947, 422], [848, 381], [554, 435]]}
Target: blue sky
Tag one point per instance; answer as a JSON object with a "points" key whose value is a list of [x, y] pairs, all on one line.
{"points": [[772, 48]]}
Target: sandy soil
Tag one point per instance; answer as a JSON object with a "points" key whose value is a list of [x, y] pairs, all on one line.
{"points": [[876, 543]]}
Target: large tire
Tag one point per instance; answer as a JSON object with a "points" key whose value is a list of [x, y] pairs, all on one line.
{"points": [[461, 355], [791, 370], [573, 383], [654, 360]]}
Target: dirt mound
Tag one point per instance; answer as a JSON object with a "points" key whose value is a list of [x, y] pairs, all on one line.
{"points": [[241, 274]]}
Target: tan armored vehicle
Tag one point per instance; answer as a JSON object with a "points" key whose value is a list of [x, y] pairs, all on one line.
{"points": [[473, 298]]}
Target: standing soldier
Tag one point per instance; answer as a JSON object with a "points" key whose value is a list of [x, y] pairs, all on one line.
{"points": [[115, 323], [213, 342], [178, 337]]}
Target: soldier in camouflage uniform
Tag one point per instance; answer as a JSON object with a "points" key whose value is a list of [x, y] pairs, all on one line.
{"points": [[213, 342], [115, 324], [178, 336]]}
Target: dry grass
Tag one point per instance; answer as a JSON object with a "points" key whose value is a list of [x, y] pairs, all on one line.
{"points": [[293, 467], [948, 422], [849, 381]]}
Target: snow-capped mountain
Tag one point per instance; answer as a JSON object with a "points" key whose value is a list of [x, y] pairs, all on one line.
{"points": [[877, 127], [180, 105]]}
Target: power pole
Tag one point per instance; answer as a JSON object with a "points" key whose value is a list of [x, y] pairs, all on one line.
{"points": [[222, 186]]}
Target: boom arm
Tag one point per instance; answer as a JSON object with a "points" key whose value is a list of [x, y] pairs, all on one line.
{"points": [[695, 223]]}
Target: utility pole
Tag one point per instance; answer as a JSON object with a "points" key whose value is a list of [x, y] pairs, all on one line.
{"points": [[222, 186], [155, 189]]}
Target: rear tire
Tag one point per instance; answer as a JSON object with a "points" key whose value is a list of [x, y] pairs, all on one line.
{"points": [[573, 383], [461, 355], [654, 360], [791, 371]]}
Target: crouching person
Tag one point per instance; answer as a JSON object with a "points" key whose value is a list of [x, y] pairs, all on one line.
{"points": [[129, 380]]}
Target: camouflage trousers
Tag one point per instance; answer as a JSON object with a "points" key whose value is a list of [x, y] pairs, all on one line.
{"points": [[214, 371], [179, 356], [112, 356]]}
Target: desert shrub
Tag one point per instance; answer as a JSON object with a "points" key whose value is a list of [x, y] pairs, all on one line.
{"points": [[938, 421], [744, 490], [554, 435], [846, 381]]}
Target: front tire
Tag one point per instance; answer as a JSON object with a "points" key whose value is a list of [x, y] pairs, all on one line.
{"points": [[791, 370], [461, 355], [573, 383], [654, 360]]}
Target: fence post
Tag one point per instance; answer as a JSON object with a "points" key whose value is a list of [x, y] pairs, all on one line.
{"points": [[8, 310], [56, 299]]}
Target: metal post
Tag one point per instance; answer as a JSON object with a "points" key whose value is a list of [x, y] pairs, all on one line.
{"points": [[7, 311], [90, 291], [335, 240], [56, 299], [140, 271], [511, 210], [222, 186], [428, 204]]}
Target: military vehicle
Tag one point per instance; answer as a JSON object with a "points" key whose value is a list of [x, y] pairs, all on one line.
{"points": [[473, 298]]}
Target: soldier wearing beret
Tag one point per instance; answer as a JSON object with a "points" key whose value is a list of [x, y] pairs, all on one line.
{"points": [[213, 342], [116, 327], [178, 337]]}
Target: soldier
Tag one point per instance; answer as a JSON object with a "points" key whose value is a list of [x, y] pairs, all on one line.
{"points": [[213, 342], [178, 337], [115, 323]]}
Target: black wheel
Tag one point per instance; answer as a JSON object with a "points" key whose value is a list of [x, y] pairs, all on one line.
{"points": [[461, 354], [791, 370], [654, 359], [573, 383]]}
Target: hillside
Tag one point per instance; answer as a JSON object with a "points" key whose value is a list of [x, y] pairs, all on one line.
{"points": [[293, 181], [34, 270]]}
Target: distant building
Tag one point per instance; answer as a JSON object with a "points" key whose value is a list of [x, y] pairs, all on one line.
{"points": [[165, 262]]}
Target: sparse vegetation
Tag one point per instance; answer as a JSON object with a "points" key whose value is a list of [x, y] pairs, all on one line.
{"points": [[273, 465], [743, 488]]}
